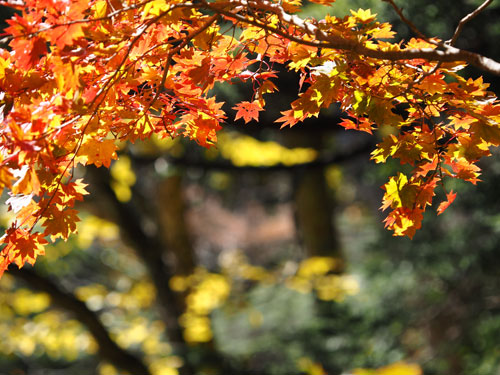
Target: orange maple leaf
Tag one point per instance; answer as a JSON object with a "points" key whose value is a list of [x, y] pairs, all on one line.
{"points": [[361, 124], [60, 223], [248, 111], [444, 205], [21, 247], [97, 152]]}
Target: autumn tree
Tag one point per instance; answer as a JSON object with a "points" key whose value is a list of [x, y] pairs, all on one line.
{"points": [[79, 79]]}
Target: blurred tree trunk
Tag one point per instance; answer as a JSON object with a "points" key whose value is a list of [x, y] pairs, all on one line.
{"points": [[149, 247], [313, 209], [314, 205], [172, 223], [166, 251]]}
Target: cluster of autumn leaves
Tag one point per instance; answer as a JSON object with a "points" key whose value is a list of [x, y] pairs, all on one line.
{"points": [[79, 77]]}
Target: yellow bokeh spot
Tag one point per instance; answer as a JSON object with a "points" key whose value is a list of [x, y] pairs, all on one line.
{"points": [[299, 284], [152, 345], [328, 288], [135, 333], [196, 328], [92, 228], [247, 151], [107, 369], [208, 294], [333, 176], [166, 366], [26, 302], [143, 293], [123, 192], [121, 171], [26, 345], [88, 291], [123, 178], [315, 266], [398, 368], [254, 273], [310, 367], [335, 287], [179, 283]]}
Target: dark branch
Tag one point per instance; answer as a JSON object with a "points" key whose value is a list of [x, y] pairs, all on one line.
{"points": [[150, 248], [228, 166], [466, 19], [108, 349]]}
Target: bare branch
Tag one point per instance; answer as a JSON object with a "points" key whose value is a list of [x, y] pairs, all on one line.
{"points": [[466, 19]]}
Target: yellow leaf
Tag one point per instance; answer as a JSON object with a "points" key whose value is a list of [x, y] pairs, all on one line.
{"points": [[100, 8], [364, 15], [393, 190]]}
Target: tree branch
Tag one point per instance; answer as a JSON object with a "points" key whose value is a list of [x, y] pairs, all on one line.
{"points": [[228, 166], [322, 39], [466, 19], [108, 349]]}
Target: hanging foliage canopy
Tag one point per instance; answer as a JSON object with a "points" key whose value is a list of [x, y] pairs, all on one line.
{"points": [[79, 76]]}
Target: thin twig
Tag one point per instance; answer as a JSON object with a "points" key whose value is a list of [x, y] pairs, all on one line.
{"points": [[69, 23], [410, 24], [466, 19], [193, 34]]}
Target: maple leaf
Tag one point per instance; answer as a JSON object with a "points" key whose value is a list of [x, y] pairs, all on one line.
{"points": [[425, 193], [97, 152], [248, 111], [450, 197], [6, 177], [64, 36], [465, 170], [28, 182], [17, 202], [29, 247], [4, 264], [488, 132], [60, 223], [426, 168], [362, 124], [363, 15], [290, 118], [404, 221], [388, 147], [68, 193], [292, 6], [383, 31], [149, 70], [21, 247], [28, 52]]}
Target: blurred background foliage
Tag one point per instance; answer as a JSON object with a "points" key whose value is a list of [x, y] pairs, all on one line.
{"points": [[266, 255]]}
